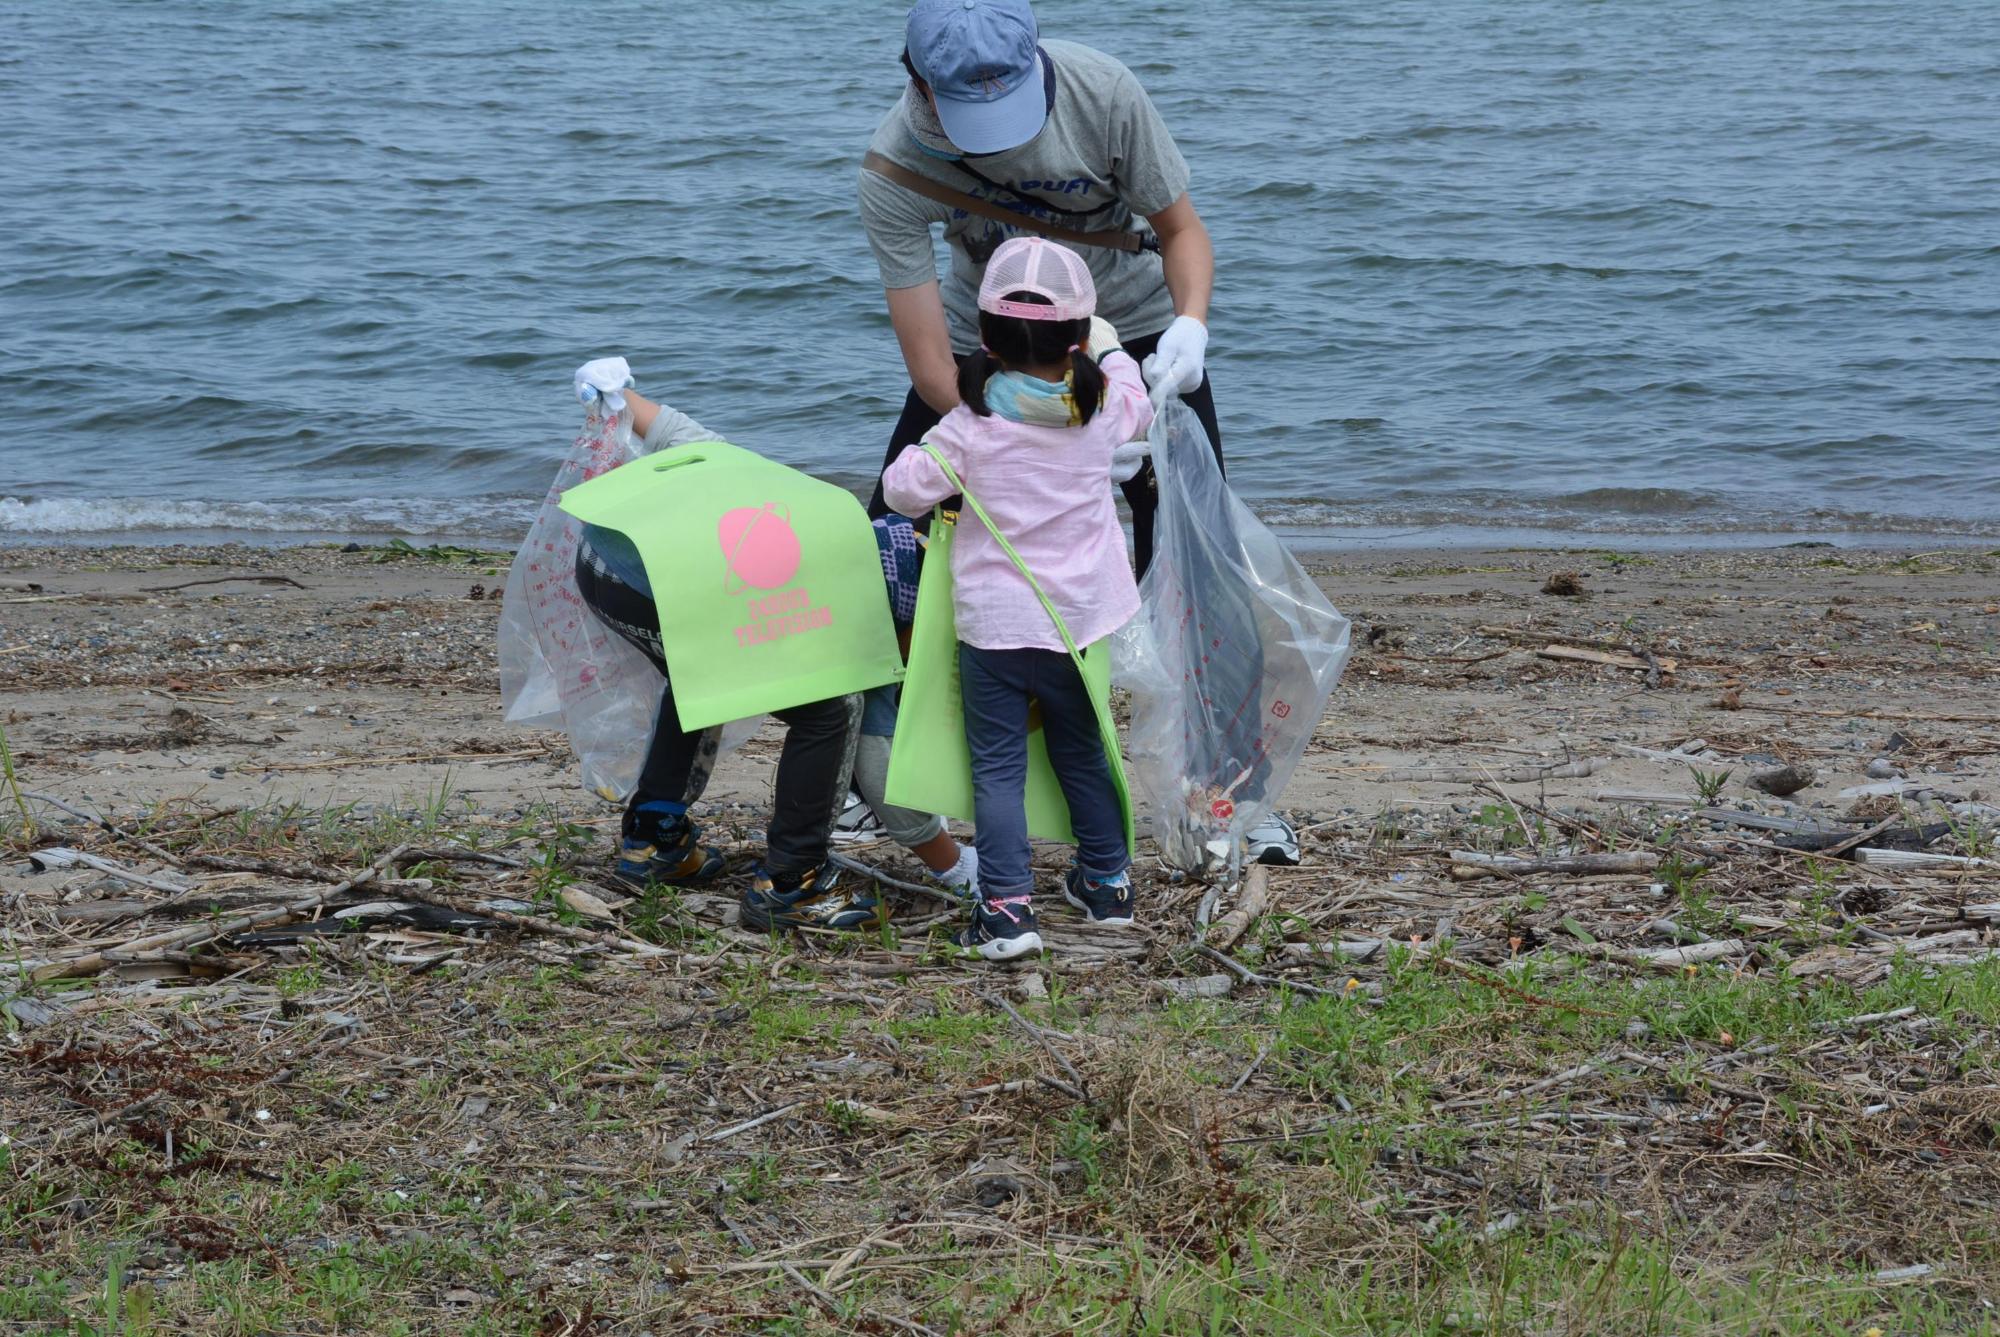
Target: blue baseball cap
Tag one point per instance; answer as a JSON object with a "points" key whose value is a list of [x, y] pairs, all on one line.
{"points": [[980, 59]]}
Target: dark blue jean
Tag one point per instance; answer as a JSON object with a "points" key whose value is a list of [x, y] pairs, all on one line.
{"points": [[998, 687]]}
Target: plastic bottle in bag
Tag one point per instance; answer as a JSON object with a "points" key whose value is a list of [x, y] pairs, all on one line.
{"points": [[1229, 662]]}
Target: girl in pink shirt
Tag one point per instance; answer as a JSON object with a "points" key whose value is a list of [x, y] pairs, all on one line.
{"points": [[1046, 402]]}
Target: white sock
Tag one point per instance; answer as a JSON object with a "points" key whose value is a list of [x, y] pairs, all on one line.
{"points": [[962, 875]]}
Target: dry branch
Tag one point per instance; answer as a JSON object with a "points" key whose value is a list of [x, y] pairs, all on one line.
{"points": [[1469, 866], [1512, 775], [1257, 897], [180, 940], [1606, 658]]}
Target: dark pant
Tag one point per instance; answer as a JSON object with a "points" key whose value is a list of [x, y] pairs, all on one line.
{"points": [[919, 417], [813, 769], [998, 687]]}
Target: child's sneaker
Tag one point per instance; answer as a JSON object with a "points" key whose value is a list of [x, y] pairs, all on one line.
{"points": [[1001, 929], [812, 899], [658, 845], [857, 823], [1106, 901]]}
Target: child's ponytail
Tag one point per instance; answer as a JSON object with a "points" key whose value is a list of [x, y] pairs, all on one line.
{"points": [[1086, 382], [973, 374]]}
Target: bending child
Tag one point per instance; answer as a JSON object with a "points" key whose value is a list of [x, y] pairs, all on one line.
{"points": [[1046, 403], [797, 884]]}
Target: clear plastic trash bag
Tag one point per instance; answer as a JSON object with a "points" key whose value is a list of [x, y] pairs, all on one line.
{"points": [[559, 666], [1229, 661]]}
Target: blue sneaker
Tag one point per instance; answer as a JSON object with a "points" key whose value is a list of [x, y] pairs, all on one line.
{"points": [[812, 899], [1106, 901], [1001, 929], [658, 845]]}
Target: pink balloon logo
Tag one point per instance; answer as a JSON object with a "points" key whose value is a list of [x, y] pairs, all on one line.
{"points": [[759, 547]]}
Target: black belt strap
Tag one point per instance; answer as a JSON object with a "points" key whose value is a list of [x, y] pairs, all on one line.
{"points": [[1115, 239]]}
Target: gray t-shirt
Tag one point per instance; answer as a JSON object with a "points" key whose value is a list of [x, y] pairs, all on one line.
{"points": [[1103, 148]]}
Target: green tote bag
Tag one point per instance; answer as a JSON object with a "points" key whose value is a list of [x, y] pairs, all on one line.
{"points": [[767, 581], [930, 766]]}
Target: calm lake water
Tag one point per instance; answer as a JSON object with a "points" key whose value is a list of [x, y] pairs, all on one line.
{"points": [[279, 268]]}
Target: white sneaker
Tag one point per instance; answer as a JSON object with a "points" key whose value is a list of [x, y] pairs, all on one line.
{"points": [[857, 823], [1272, 841]]}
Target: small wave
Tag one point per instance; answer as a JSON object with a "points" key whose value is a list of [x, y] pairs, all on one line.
{"points": [[1658, 512], [1637, 501], [512, 360], [72, 517], [1282, 190]]}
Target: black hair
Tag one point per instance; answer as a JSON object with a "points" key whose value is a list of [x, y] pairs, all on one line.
{"points": [[1010, 341]]}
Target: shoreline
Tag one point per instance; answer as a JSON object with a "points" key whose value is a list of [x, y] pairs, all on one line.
{"points": [[1305, 541]]}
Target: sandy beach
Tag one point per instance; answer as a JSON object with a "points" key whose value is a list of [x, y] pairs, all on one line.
{"points": [[246, 675], [1725, 1078]]}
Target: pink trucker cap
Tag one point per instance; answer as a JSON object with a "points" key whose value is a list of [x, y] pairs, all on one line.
{"points": [[1039, 266]]}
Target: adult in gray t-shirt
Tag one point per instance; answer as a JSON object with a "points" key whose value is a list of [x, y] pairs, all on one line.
{"points": [[1056, 132]]}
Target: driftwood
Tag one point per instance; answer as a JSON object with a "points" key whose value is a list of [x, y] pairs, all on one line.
{"points": [[1676, 957], [1606, 658], [898, 884], [1665, 958], [533, 923], [1859, 838], [1757, 821], [1882, 836], [1249, 976], [1511, 775], [1256, 898], [1468, 866], [1528, 636], [63, 857], [1693, 758], [179, 940], [122, 834], [1893, 858], [1641, 796], [1347, 949]]}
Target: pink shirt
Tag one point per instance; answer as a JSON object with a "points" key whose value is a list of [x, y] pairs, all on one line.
{"points": [[1049, 491]]}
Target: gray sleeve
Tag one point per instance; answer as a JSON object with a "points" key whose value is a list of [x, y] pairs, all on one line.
{"points": [[1150, 171], [674, 428], [899, 231]]}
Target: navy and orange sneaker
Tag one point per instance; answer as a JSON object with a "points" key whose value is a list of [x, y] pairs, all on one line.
{"points": [[658, 846], [812, 899], [1002, 928]]}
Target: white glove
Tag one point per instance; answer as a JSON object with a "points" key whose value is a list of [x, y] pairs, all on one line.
{"points": [[605, 379], [1127, 460], [1176, 366]]}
